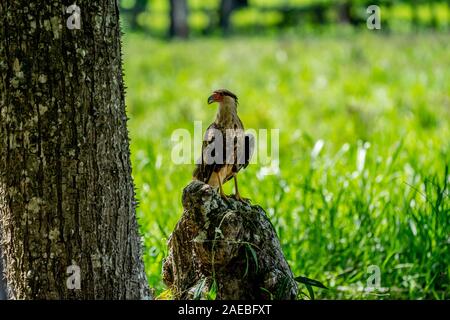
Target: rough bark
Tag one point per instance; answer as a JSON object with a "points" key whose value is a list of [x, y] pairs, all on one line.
{"points": [[227, 245], [66, 192], [179, 19]]}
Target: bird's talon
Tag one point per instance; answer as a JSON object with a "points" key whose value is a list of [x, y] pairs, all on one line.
{"points": [[224, 197], [241, 199]]}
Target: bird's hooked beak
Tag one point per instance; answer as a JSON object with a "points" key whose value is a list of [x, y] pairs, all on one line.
{"points": [[212, 98]]}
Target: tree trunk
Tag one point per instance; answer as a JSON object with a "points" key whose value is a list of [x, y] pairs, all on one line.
{"points": [[226, 8], [67, 208], [225, 250], [343, 12], [178, 19]]}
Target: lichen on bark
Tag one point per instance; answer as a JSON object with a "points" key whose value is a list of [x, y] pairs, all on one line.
{"points": [[66, 192]]}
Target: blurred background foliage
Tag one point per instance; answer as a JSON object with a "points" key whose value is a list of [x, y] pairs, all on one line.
{"points": [[183, 18], [364, 119]]}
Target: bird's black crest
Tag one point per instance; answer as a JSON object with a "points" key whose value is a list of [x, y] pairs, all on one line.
{"points": [[227, 93]]}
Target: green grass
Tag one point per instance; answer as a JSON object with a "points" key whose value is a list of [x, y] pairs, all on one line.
{"points": [[376, 112]]}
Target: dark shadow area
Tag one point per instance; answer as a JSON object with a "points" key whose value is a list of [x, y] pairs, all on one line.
{"points": [[2, 280]]}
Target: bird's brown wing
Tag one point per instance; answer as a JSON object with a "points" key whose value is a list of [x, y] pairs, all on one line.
{"points": [[243, 156], [212, 143]]}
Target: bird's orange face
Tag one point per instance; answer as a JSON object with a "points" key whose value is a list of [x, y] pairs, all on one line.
{"points": [[215, 97]]}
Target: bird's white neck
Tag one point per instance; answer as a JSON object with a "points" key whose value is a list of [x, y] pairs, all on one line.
{"points": [[227, 112]]}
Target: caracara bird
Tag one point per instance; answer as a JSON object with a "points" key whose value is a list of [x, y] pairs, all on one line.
{"points": [[226, 149]]}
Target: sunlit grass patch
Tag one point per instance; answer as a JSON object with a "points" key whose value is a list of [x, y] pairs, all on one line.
{"points": [[364, 146]]}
